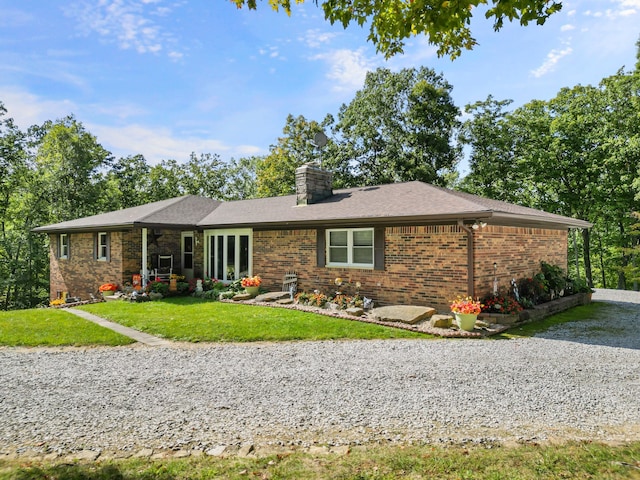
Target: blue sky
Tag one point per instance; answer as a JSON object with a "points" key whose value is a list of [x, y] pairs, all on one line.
{"points": [[165, 78]]}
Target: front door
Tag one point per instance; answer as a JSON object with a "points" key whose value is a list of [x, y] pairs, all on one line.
{"points": [[187, 254]]}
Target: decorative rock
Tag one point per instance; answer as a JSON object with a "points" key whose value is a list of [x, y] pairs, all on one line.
{"points": [[284, 301], [216, 451], [402, 313], [272, 296], [83, 456], [341, 450], [245, 450], [317, 450], [144, 453], [441, 321], [355, 311], [242, 296]]}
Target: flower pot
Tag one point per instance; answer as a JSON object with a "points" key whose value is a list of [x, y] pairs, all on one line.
{"points": [[253, 291], [466, 321], [108, 293]]}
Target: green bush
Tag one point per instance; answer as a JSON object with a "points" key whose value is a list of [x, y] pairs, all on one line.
{"points": [[158, 287]]}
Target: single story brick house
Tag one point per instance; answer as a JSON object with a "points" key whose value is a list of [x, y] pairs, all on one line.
{"points": [[409, 243]]}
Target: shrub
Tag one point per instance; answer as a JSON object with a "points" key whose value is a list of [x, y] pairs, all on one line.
{"points": [[158, 287]]}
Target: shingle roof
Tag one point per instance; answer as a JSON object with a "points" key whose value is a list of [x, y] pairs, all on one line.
{"points": [[179, 212], [396, 203], [384, 204]]}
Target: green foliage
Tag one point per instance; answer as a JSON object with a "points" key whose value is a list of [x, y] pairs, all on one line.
{"points": [[195, 320], [276, 173], [580, 313], [52, 327], [158, 287], [446, 24], [571, 460], [577, 154], [399, 127]]}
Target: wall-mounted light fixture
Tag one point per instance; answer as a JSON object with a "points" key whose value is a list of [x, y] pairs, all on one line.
{"points": [[476, 225]]}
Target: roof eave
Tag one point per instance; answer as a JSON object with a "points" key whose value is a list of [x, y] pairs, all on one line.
{"points": [[114, 227]]}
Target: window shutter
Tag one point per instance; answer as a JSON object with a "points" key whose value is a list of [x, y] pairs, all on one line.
{"points": [[95, 246], [108, 246], [378, 248], [321, 247], [68, 246]]}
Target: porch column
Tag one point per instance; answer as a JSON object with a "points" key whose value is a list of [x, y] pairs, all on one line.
{"points": [[145, 272]]}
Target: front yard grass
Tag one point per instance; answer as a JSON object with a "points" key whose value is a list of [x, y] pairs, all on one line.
{"points": [[194, 320], [50, 327], [527, 462]]}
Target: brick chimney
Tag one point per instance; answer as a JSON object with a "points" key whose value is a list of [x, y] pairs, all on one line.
{"points": [[313, 184]]}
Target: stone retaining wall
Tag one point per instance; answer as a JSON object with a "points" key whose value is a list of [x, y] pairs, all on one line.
{"points": [[538, 312]]}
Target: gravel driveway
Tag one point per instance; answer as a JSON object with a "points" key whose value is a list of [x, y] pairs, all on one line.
{"points": [[580, 380]]}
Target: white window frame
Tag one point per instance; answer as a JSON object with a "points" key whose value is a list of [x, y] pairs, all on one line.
{"points": [[208, 254], [102, 246], [350, 247], [63, 240]]}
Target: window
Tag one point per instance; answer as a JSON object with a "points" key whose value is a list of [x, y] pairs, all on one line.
{"points": [[229, 255], [102, 246], [350, 247], [63, 246]]}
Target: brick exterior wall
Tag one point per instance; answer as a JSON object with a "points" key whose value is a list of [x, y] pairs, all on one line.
{"points": [[517, 252], [424, 265], [82, 274]]}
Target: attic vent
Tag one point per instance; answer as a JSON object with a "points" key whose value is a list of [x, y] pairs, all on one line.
{"points": [[313, 184]]}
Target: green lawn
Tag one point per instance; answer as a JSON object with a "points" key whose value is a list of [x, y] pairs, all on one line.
{"points": [[576, 314], [51, 327], [195, 320], [528, 462]]}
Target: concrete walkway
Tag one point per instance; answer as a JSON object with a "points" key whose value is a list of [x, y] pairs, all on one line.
{"points": [[126, 331]]}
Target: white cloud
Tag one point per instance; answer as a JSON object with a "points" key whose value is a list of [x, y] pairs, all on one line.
{"points": [[347, 68], [567, 27], [154, 143], [629, 3], [128, 23], [28, 109], [315, 38], [553, 57]]}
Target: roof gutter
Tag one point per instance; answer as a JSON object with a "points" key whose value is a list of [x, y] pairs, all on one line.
{"points": [[470, 258]]}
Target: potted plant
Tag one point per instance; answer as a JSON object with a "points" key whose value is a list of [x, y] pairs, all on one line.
{"points": [[251, 285], [108, 289], [466, 311]]}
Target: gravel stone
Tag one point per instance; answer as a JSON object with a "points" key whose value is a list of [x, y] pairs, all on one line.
{"points": [[579, 380]]}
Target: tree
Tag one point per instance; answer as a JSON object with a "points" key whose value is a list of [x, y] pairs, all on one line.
{"points": [[276, 173], [241, 179], [128, 183], [399, 127], [446, 24], [71, 165], [493, 167], [204, 176]]}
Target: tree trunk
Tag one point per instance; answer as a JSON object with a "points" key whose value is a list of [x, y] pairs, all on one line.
{"points": [[624, 261], [601, 257], [577, 255], [586, 252]]}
